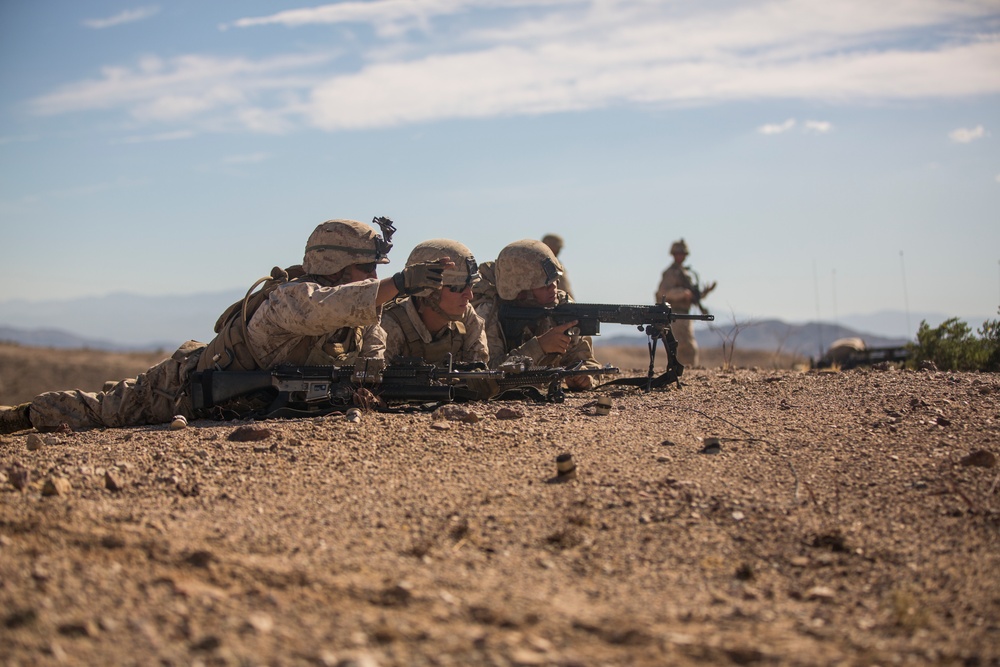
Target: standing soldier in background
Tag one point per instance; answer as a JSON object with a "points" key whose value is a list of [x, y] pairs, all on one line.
{"points": [[325, 311], [681, 291], [527, 272], [437, 322], [555, 244]]}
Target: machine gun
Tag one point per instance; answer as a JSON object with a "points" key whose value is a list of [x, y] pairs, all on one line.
{"points": [[301, 391], [654, 321], [519, 377]]}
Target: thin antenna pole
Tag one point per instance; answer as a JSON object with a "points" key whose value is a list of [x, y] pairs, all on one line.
{"points": [[819, 322], [906, 298]]}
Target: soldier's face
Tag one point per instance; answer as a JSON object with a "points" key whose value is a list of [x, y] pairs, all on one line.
{"points": [[545, 296], [359, 272], [679, 257], [454, 303]]}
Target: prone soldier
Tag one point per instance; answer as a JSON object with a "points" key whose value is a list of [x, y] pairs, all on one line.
{"points": [[436, 323], [526, 272], [324, 311]]}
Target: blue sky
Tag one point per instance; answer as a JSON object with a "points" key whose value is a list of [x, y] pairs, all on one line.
{"points": [[818, 157]]}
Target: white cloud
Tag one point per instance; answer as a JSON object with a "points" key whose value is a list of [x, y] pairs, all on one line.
{"points": [[967, 135], [162, 136], [777, 128], [818, 126], [127, 16], [446, 59], [249, 158]]}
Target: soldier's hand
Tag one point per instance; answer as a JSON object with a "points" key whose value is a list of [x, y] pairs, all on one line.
{"points": [[423, 278], [556, 340], [581, 382]]}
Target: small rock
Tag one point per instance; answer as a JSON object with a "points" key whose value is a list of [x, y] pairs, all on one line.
{"points": [[820, 593], [353, 415], [56, 486], [19, 476], [738, 515], [34, 442], [113, 481], [250, 433], [928, 365], [441, 426], [179, 422], [509, 413], [455, 413], [981, 459], [260, 622], [943, 421]]}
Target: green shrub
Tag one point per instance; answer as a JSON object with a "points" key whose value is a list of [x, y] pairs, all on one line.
{"points": [[953, 347]]}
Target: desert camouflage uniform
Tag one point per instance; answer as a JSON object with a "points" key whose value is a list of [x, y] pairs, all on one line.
{"points": [[581, 349], [408, 336], [289, 328], [672, 287]]}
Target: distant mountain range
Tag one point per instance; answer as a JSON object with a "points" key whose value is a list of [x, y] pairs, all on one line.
{"points": [[123, 321]]}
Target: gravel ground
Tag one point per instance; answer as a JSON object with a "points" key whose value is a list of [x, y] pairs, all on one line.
{"points": [[839, 518]]}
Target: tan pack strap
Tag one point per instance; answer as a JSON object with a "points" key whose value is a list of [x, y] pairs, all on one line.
{"points": [[245, 320]]}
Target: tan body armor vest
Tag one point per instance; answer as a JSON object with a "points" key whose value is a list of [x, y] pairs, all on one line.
{"points": [[230, 351], [435, 352]]}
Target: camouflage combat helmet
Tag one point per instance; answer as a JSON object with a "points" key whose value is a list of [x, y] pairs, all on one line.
{"points": [[337, 244], [679, 246], [525, 265], [466, 271]]}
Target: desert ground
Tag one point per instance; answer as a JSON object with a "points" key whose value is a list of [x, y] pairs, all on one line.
{"points": [[757, 515]]}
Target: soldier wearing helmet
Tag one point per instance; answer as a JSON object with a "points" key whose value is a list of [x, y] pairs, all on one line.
{"points": [[679, 287], [435, 323], [527, 272], [325, 311]]}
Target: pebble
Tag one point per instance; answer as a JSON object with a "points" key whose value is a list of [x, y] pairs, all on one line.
{"points": [[250, 433], [34, 442], [981, 458], [19, 476], [509, 413], [820, 593], [441, 426], [455, 413], [56, 486], [113, 481], [179, 422]]}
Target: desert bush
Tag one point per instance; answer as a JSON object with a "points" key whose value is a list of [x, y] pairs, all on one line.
{"points": [[953, 346]]}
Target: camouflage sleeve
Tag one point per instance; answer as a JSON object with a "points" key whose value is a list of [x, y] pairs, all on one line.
{"points": [[308, 309], [373, 342], [475, 346]]}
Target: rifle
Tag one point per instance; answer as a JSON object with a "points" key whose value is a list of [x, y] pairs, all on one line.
{"points": [[697, 293], [655, 321], [301, 391], [521, 378]]}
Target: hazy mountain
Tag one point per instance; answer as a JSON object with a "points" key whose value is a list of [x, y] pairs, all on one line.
{"points": [[123, 321], [120, 319]]}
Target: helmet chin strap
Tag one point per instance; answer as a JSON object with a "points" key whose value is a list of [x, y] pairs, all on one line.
{"points": [[434, 303]]}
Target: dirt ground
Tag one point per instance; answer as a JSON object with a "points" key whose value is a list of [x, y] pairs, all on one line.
{"points": [[846, 519]]}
